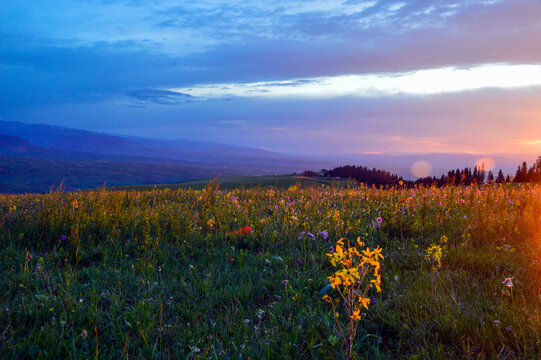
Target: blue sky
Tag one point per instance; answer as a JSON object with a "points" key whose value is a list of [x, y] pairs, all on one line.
{"points": [[290, 76]]}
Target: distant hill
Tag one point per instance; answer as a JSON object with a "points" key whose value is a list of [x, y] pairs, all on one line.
{"points": [[39, 175], [34, 157], [74, 140]]}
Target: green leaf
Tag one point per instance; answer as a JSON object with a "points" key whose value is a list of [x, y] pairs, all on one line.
{"points": [[324, 290]]}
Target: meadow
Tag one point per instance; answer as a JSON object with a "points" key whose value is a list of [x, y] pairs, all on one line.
{"points": [[217, 273]]}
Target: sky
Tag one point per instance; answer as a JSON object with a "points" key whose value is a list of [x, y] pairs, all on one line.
{"points": [[306, 77]]}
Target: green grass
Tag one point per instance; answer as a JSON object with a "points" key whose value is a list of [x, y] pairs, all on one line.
{"points": [[247, 182], [147, 275]]}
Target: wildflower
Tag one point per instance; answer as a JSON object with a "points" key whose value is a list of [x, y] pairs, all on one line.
{"points": [[356, 315], [84, 334], [508, 282], [379, 220], [62, 237], [324, 234], [462, 201], [433, 255]]}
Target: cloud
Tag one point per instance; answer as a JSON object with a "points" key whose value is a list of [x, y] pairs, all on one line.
{"points": [[422, 82], [161, 97]]}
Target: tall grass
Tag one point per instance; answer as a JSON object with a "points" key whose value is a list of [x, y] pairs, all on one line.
{"points": [[166, 274]]}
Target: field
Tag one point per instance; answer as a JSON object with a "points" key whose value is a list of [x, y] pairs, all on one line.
{"points": [[240, 273], [236, 182]]}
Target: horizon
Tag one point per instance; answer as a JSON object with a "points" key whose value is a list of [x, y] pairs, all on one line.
{"points": [[323, 77]]}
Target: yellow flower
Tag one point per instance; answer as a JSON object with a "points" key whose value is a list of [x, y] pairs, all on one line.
{"points": [[335, 281], [327, 298], [364, 302], [356, 315]]}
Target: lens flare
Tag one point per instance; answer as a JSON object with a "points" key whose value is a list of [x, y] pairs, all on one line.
{"points": [[421, 168], [487, 162]]}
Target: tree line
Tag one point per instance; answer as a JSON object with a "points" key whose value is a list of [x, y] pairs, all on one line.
{"points": [[466, 176]]}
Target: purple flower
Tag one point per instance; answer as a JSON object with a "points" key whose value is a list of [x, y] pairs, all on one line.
{"points": [[311, 235], [508, 282], [373, 225], [379, 220], [462, 201], [324, 234], [372, 301], [62, 237], [301, 235]]}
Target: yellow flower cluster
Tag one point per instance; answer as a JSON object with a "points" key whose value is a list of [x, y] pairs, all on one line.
{"points": [[357, 273], [434, 253], [354, 268]]}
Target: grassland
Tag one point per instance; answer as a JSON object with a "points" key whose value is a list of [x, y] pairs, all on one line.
{"points": [[245, 182], [165, 273]]}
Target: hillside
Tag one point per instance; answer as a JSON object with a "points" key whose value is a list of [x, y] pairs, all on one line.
{"points": [[32, 175], [229, 156], [36, 157]]}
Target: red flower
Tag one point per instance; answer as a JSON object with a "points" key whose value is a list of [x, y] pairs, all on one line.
{"points": [[247, 230]]}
